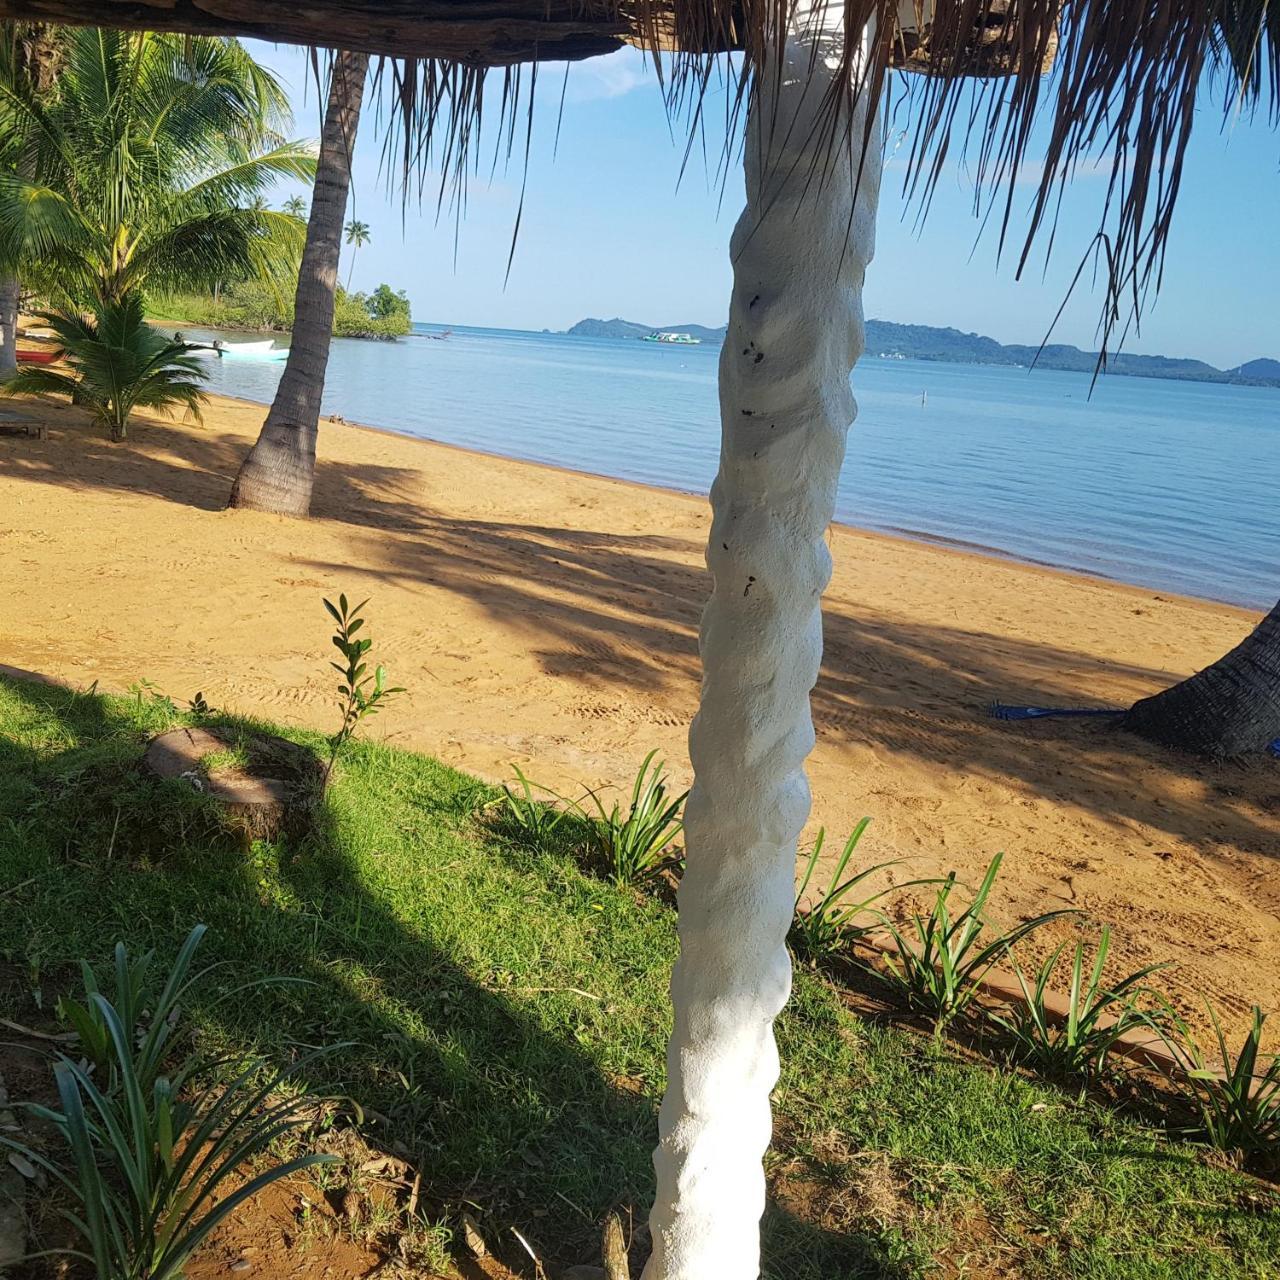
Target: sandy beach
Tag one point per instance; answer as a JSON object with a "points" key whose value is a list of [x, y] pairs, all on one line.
{"points": [[548, 619]]}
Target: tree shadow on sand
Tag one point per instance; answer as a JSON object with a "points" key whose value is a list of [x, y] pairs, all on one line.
{"points": [[620, 613], [497, 1101]]}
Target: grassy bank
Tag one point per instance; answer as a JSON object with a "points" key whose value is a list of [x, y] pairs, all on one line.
{"points": [[507, 1017]]}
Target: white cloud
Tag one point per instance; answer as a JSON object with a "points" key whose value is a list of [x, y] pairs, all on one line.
{"points": [[614, 76]]}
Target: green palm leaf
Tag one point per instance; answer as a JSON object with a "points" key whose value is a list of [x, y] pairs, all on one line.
{"points": [[119, 364]]}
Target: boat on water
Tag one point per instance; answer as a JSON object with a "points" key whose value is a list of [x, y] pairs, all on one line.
{"points": [[238, 350], [674, 339]]}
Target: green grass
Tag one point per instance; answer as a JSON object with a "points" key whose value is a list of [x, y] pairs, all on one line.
{"points": [[510, 1016]]}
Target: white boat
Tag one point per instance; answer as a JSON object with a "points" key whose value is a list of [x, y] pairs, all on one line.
{"points": [[247, 348], [239, 350], [267, 352]]}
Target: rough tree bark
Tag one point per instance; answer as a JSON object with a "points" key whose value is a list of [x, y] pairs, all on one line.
{"points": [[800, 251], [8, 326], [38, 60], [280, 470], [1231, 708]]}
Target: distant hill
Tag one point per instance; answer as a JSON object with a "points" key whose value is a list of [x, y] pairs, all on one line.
{"points": [[1267, 370], [924, 342], [629, 329]]}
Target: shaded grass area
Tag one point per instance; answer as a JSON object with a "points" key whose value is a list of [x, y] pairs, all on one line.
{"points": [[507, 1015]]}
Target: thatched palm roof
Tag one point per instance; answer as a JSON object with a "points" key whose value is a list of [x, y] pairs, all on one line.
{"points": [[1129, 74]]}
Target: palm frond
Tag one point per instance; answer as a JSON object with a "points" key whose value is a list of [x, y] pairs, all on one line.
{"points": [[34, 380]]}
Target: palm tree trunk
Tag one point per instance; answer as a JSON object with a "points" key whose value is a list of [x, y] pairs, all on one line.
{"points": [[1231, 708], [280, 470], [800, 251], [8, 326]]}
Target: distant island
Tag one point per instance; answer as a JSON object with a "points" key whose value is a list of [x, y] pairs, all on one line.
{"points": [[924, 342]]}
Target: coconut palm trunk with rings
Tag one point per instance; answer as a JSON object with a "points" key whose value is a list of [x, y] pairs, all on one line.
{"points": [[1231, 708], [279, 472], [8, 326]]}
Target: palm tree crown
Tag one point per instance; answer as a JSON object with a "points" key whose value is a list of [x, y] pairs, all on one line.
{"points": [[148, 164], [357, 233]]}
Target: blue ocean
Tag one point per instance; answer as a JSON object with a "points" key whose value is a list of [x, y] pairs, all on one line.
{"points": [[1169, 485]]}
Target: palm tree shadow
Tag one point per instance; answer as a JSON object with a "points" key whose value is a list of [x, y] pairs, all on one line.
{"points": [[500, 1105]]}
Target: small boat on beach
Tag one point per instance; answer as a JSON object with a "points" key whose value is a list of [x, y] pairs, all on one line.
{"points": [[40, 357], [238, 350]]}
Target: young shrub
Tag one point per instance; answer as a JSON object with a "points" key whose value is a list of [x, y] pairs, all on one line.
{"points": [[631, 846], [824, 928], [528, 821], [1098, 1015], [939, 961], [1239, 1109], [360, 694], [156, 1156], [119, 364]]}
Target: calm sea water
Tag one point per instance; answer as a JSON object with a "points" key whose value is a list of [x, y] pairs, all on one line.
{"points": [[1170, 485]]}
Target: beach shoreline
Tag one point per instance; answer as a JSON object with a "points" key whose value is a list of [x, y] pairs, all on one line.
{"points": [[939, 542], [548, 619]]}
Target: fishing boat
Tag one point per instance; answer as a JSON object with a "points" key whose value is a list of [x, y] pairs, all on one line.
{"points": [[39, 357], [675, 339], [239, 350]]}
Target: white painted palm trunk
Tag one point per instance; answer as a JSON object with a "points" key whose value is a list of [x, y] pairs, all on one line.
{"points": [[800, 251]]}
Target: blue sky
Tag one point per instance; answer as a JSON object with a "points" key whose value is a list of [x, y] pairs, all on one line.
{"points": [[610, 229]]}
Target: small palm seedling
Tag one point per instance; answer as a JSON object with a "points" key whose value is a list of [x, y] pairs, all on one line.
{"points": [[822, 926], [157, 1157], [1239, 1108], [1098, 1015], [118, 364], [939, 962], [360, 694], [631, 845], [528, 820]]}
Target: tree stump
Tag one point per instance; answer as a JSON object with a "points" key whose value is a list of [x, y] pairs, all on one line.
{"points": [[255, 802]]}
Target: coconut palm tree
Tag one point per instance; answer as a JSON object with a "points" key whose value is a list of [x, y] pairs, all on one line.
{"points": [[279, 471], [147, 168], [30, 56], [357, 236], [295, 207], [118, 363], [1231, 708]]}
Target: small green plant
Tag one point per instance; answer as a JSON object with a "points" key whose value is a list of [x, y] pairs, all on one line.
{"points": [[120, 364], [1239, 1107], [824, 927], [360, 694], [528, 820], [149, 1017], [148, 693], [1098, 1015], [631, 845], [156, 1156], [939, 962], [199, 707]]}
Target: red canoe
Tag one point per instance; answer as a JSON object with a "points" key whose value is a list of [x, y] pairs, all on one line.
{"points": [[39, 357]]}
